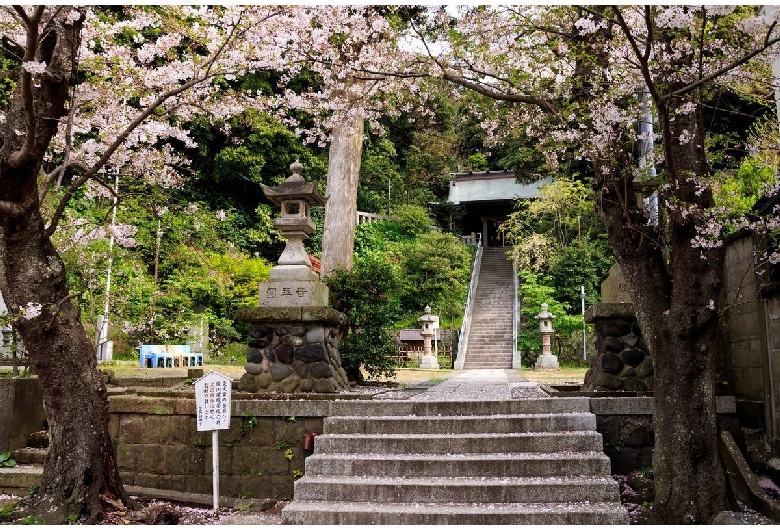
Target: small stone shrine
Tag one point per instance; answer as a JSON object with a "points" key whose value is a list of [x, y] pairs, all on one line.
{"points": [[294, 335], [621, 361]]}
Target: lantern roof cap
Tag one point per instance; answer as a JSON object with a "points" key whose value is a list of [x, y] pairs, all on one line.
{"points": [[295, 187]]}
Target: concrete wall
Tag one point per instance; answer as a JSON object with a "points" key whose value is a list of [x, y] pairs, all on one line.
{"points": [[751, 317], [21, 412]]}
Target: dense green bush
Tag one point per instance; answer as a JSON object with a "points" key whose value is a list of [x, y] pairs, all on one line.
{"points": [[366, 296]]}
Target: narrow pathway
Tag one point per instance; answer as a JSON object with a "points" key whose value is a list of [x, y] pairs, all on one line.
{"points": [[482, 385]]}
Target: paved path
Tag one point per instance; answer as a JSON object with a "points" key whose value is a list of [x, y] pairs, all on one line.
{"points": [[482, 385]]}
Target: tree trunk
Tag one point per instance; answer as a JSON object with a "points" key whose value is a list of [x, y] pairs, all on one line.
{"points": [[674, 303], [338, 236], [80, 465]]}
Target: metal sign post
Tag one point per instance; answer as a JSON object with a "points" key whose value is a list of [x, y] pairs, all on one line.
{"points": [[212, 404]]}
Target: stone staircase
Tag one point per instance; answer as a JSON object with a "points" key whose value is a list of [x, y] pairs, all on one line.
{"points": [[533, 461], [490, 336]]}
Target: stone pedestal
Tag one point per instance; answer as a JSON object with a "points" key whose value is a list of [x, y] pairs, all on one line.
{"points": [[293, 349], [546, 362], [621, 361]]}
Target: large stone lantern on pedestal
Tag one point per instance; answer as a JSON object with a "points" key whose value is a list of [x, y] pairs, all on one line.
{"points": [[427, 321], [546, 360], [294, 336]]}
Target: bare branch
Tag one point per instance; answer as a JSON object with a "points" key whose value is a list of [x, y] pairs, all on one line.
{"points": [[500, 96]]}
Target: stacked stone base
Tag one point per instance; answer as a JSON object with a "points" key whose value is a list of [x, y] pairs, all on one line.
{"points": [[291, 356], [622, 361]]}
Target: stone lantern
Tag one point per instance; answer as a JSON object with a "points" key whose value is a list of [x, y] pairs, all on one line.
{"points": [[427, 322], [293, 341], [546, 360], [293, 282]]}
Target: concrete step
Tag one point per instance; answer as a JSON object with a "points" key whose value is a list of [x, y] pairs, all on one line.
{"points": [[452, 408], [495, 423], [456, 489], [468, 465], [478, 365], [352, 513], [16, 480], [456, 444], [29, 455]]}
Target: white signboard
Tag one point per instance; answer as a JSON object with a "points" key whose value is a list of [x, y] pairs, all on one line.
{"points": [[212, 401]]}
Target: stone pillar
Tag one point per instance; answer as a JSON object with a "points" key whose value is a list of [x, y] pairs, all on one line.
{"points": [[546, 361], [621, 360]]}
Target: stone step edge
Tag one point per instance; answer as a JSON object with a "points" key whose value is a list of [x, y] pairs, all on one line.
{"points": [[483, 482], [458, 417], [557, 455], [455, 508]]}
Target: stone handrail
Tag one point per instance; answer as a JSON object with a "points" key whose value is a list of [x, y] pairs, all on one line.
{"points": [[516, 359], [464, 328], [367, 218]]}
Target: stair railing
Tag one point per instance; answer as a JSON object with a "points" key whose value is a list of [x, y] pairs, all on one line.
{"points": [[516, 359], [464, 328]]}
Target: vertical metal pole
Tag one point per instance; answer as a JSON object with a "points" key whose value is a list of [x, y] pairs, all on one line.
{"points": [[584, 348], [103, 324], [215, 468], [388, 196]]}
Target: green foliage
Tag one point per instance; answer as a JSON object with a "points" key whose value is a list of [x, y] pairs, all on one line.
{"points": [[533, 294], [435, 270], [478, 162], [585, 263], [373, 237], [365, 296], [6, 460], [248, 423], [738, 192], [412, 219]]}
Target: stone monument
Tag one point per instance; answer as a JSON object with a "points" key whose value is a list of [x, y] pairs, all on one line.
{"points": [[294, 336], [621, 361]]}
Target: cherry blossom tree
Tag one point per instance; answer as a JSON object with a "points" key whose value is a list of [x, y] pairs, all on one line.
{"points": [[576, 76], [109, 91]]}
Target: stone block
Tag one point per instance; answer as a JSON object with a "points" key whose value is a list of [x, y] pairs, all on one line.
{"points": [[285, 353], [126, 456], [172, 482], [610, 363], [131, 429], [290, 384], [599, 312], [257, 487], [280, 372], [261, 435], [198, 484], [645, 368], [320, 370], [282, 488], [168, 429], [310, 354], [145, 480], [253, 368], [315, 335], [615, 289], [248, 383], [633, 356], [306, 385], [253, 355], [632, 384], [263, 380], [293, 340], [637, 432], [325, 386], [744, 327]]}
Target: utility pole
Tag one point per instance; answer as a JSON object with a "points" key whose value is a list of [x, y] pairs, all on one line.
{"points": [[104, 346]]}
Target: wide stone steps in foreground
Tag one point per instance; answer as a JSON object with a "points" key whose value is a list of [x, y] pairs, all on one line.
{"points": [[532, 461]]}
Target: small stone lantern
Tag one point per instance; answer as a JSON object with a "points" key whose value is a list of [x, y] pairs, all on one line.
{"points": [[427, 322], [546, 360]]}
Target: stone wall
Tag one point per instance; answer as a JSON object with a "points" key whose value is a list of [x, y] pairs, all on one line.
{"points": [[621, 361], [21, 412], [158, 446], [293, 350]]}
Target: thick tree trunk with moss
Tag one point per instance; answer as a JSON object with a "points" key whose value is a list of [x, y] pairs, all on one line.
{"points": [[80, 467], [338, 236]]}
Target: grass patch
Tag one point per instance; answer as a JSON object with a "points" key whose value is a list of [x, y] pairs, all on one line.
{"points": [[565, 375]]}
